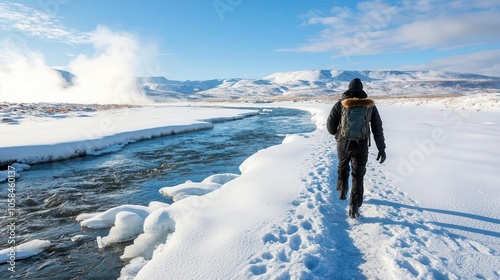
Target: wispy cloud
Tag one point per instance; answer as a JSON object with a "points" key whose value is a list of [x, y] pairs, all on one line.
{"points": [[450, 31], [482, 62], [31, 22], [379, 26]]}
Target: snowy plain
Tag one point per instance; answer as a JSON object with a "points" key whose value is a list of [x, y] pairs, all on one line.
{"points": [[430, 212]]}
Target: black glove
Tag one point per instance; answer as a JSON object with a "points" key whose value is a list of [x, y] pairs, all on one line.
{"points": [[381, 156]]}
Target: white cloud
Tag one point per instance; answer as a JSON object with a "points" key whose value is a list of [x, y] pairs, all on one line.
{"points": [[482, 62], [376, 27], [449, 32], [30, 22]]}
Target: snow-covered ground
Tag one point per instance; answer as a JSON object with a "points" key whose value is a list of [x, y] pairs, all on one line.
{"points": [[430, 212]]}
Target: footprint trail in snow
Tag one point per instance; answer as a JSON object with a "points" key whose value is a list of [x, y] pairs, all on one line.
{"points": [[314, 240], [393, 238]]}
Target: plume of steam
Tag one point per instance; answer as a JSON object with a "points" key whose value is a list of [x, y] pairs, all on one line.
{"points": [[106, 77]]}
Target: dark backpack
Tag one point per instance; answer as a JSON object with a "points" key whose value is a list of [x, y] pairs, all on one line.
{"points": [[355, 123]]}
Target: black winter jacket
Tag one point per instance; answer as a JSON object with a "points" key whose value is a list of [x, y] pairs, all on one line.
{"points": [[355, 96]]}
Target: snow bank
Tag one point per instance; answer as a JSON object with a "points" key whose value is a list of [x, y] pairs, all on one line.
{"points": [[131, 269], [220, 179], [155, 205], [157, 226], [13, 171], [21, 167], [190, 188], [187, 189], [127, 226], [105, 131], [150, 225], [107, 218], [24, 250], [229, 222]]}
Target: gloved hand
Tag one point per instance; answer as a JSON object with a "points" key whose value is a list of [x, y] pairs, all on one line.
{"points": [[381, 156]]}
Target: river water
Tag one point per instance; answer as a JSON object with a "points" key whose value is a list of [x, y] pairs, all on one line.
{"points": [[51, 195]]}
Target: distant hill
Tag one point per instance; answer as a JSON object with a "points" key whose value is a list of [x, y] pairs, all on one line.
{"points": [[317, 83]]}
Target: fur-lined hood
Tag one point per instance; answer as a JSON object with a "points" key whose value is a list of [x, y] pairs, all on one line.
{"points": [[356, 102]]}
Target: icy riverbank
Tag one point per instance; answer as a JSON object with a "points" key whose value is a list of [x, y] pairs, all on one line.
{"points": [[45, 138]]}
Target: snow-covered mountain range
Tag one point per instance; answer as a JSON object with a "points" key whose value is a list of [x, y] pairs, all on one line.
{"points": [[317, 83], [320, 83]]}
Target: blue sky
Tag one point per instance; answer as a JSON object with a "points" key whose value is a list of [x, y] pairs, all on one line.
{"points": [[206, 39]]}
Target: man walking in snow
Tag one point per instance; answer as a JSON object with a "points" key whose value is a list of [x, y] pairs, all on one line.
{"points": [[350, 121]]}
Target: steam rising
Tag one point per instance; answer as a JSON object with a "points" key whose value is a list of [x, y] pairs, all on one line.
{"points": [[106, 77]]}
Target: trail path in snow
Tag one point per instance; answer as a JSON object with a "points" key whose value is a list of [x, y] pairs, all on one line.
{"points": [[314, 236], [393, 239]]}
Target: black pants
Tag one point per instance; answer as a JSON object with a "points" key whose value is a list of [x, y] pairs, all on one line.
{"points": [[352, 155]]}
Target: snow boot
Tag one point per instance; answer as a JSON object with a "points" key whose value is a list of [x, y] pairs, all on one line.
{"points": [[343, 194], [353, 211]]}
